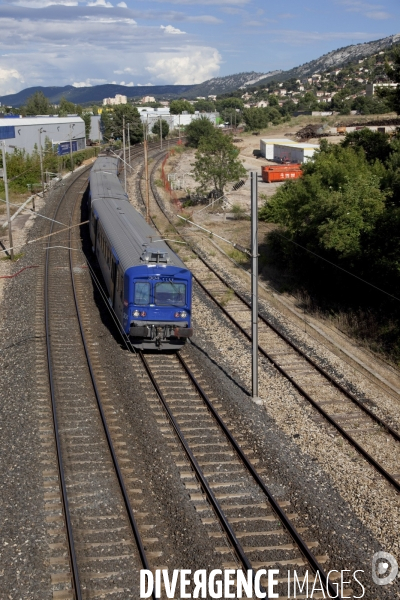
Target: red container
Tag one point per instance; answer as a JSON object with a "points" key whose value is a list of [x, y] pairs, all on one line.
{"points": [[280, 172]]}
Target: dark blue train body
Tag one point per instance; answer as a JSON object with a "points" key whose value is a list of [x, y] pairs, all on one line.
{"points": [[149, 287]]}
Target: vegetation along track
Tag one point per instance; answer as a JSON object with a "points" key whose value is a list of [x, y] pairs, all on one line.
{"points": [[105, 549], [355, 420], [222, 479]]}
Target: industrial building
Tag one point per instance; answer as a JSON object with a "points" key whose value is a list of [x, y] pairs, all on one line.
{"points": [[294, 153], [267, 146], [26, 133], [150, 116]]}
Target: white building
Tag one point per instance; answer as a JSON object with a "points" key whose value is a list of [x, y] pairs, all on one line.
{"points": [[26, 133], [372, 87], [119, 99], [146, 99], [294, 153], [152, 115], [267, 146]]}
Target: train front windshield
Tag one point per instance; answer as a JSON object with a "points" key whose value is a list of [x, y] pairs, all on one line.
{"points": [[170, 294]]}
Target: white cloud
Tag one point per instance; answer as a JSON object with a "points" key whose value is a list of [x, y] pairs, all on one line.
{"points": [[171, 30], [208, 2], [79, 84], [122, 5], [127, 84], [372, 11], [44, 3], [379, 15], [8, 78], [192, 65], [102, 3]]}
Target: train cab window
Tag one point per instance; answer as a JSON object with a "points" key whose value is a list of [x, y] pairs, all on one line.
{"points": [[170, 294], [142, 293]]}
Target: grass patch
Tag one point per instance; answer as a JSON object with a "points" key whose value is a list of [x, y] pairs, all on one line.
{"points": [[227, 297], [238, 256], [239, 213], [159, 183], [16, 256]]}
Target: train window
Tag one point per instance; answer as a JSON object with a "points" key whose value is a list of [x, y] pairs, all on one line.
{"points": [[170, 294], [120, 284], [142, 293]]}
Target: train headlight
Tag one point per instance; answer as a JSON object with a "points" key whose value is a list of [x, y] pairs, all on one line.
{"points": [[181, 314], [136, 313], [143, 313]]}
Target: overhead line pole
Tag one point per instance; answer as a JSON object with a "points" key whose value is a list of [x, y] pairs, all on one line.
{"points": [[146, 172], [254, 286], [123, 144], [3, 150]]}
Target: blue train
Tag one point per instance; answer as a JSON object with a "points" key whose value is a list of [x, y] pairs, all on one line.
{"points": [[149, 287]]}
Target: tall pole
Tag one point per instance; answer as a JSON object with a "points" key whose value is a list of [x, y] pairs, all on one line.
{"points": [[254, 284], [41, 158], [160, 133], [146, 176], [123, 144], [70, 148], [179, 126], [10, 240], [129, 146]]}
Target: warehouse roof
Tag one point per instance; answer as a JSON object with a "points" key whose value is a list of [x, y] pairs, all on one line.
{"points": [[280, 141], [18, 121]]}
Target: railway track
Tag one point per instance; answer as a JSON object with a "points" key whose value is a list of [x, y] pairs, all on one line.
{"points": [[222, 480], [219, 473], [356, 420], [95, 493]]}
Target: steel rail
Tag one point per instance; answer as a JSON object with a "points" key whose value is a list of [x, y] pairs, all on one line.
{"points": [[64, 496], [117, 468], [199, 472], [278, 510], [75, 579], [296, 537], [307, 396], [301, 352], [389, 478]]}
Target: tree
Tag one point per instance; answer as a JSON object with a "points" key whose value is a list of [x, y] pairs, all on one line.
{"points": [[66, 107], [335, 203], [217, 162], [177, 107], [204, 106], [112, 121], [164, 128], [225, 103], [87, 117], [375, 144], [197, 129], [38, 104], [255, 118]]}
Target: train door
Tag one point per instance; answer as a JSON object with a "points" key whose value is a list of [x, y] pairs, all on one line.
{"points": [[119, 294], [113, 280]]}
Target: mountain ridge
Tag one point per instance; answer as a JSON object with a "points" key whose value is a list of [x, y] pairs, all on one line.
{"points": [[215, 86], [96, 93]]}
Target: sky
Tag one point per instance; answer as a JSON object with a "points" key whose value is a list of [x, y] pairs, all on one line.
{"points": [[156, 42]]}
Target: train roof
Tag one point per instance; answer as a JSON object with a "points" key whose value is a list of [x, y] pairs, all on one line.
{"points": [[104, 184], [106, 163], [132, 239]]}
